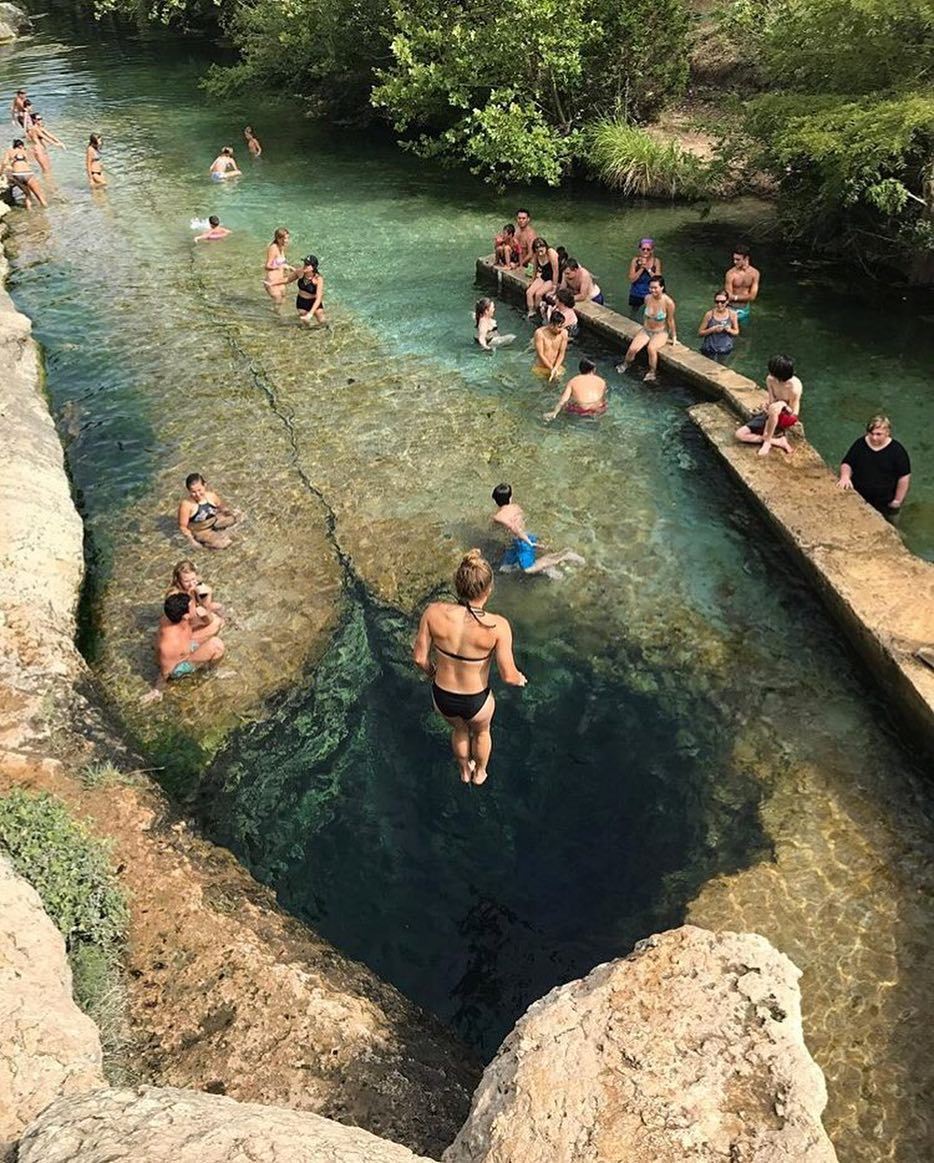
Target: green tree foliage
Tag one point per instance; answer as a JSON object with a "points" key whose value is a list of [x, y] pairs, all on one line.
{"points": [[324, 51], [508, 88], [847, 127]]}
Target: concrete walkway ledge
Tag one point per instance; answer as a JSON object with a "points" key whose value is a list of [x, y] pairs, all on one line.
{"points": [[880, 593], [743, 395]]}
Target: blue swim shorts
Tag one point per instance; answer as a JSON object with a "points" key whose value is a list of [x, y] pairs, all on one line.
{"points": [[183, 669], [742, 313], [520, 555]]}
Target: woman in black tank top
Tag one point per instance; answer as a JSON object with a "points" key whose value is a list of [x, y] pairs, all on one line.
{"points": [[544, 276]]}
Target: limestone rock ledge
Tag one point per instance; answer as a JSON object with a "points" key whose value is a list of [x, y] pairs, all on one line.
{"points": [[180, 1126], [14, 22], [48, 1047], [691, 1049]]}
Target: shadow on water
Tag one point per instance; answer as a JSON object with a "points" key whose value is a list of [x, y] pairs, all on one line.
{"points": [[475, 902]]}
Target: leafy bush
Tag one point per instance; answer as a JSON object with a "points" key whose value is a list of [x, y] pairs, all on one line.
{"points": [[632, 161], [508, 89], [67, 867]]}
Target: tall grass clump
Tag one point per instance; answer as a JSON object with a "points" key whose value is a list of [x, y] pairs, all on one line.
{"points": [[630, 160]]}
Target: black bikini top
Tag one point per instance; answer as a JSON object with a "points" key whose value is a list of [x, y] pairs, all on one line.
{"points": [[464, 657]]}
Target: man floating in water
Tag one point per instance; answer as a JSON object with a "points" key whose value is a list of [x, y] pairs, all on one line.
{"points": [[215, 231], [523, 553]]}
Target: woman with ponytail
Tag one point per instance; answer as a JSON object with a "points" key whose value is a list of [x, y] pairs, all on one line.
{"points": [[464, 639]]}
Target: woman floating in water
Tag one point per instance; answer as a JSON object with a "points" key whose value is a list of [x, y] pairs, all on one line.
{"points": [[92, 161], [719, 327], [484, 316], [18, 169], [277, 269], [309, 302], [465, 638], [252, 142], [657, 329]]}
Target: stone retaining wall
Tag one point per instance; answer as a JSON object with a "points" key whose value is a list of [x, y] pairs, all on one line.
{"points": [[881, 594]]}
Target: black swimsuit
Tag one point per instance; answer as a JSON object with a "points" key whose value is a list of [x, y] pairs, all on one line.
{"points": [[452, 704], [307, 287]]}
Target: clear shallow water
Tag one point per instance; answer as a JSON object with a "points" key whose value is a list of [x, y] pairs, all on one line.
{"points": [[690, 709]]}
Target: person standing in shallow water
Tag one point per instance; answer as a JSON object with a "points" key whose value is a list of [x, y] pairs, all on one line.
{"points": [[92, 161], [741, 283], [277, 269], [464, 638], [878, 467], [252, 142]]}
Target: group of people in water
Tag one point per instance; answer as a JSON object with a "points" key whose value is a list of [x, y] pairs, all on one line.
{"points": [[457, 642]]}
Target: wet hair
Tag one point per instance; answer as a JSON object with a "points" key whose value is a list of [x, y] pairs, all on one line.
{"points": [[586, 366], [194, 478], [18, 143], [549, 300], [311, 260], [502, 494], [473, 577], [214, 220], [181, 567], [479, 310], [522, 210], [279, 236], [879, 422], [509, 228], [556, 319], [562, 253], [27, 102], [781, 366], [572, 265], [95, 140], [227, 151], [248, 129], [566, 297], [175, 607], [657, 279], [21, 92], [742, 248], [538, 243]]}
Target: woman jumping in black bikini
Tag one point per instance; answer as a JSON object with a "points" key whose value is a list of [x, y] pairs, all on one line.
{"points": [[465, 638]]}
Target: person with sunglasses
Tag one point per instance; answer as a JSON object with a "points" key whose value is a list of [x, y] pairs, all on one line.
{"points": [[644, 265], [719, 328]]}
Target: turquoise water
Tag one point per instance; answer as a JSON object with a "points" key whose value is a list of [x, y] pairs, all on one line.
{"points": [[682, 684]]}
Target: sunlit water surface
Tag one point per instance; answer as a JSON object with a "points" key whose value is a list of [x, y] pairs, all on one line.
{"points": [[693, 730]]}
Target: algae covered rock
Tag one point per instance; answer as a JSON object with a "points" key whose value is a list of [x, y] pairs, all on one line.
{"points": [[689, 1049], [184, 1126]]}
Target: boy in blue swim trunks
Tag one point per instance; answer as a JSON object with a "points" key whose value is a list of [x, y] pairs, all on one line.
{"points": [[523, 552], [180, 650]]}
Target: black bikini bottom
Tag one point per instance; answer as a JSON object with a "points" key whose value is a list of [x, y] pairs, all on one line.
{"points": [[456, 706]]}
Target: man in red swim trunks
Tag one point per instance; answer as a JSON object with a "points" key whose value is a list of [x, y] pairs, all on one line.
{"points": [[782, 411], [584, 395]]}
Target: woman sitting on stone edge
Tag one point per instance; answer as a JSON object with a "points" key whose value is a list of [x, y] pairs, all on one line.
{"points": [[465, 638]]}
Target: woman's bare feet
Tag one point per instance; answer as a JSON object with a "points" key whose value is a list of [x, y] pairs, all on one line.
{"points": [[467, 770], [479, 776]]}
